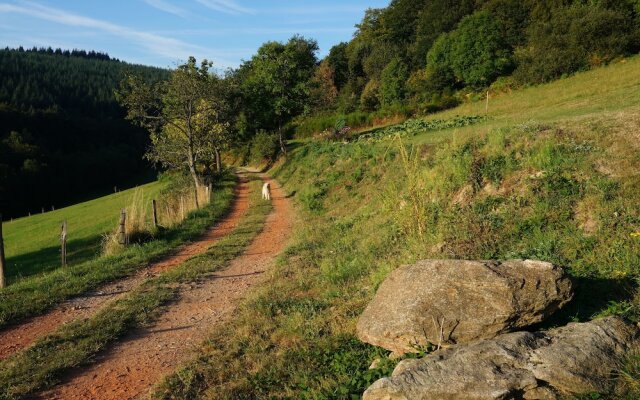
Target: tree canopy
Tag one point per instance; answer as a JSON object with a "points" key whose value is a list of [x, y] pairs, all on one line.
{"points": [[276, 82], [185, 116]]}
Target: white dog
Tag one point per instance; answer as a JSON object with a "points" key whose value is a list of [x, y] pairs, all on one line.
{"points": [[266, 191]]}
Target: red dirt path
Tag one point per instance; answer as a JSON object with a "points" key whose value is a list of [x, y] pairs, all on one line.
{"points": [[17, 337], [144, 357]]}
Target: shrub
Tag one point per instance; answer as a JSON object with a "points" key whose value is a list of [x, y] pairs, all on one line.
{"points": [[264, 147], [475, 52], [479, 53], [392, 82], [370, 98], [339, 132]]}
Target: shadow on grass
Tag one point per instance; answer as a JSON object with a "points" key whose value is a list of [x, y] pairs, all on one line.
{"points": [[48, 258], [594, 297], [291, 146], [82, 250]]}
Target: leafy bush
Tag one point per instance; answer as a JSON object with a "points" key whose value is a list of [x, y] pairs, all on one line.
{"points": [[475, 52], [392, 82], [339, 132], [370, 98], [264, 146]]}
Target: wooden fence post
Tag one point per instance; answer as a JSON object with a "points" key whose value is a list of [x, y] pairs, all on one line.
{"points": [[155, 214], [122, 234], [63, 244], [486, 109], [2, 259], [209, 190], [182, 207]]}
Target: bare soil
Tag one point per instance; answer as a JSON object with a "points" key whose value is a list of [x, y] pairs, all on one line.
{"points": [[18, 337], [144, 357]]}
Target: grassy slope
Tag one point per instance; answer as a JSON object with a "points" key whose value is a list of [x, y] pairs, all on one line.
{"points": [[552, 175], [32, 244]]}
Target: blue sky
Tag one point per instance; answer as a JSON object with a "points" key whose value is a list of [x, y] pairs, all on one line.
{"points": [[164, 32]]}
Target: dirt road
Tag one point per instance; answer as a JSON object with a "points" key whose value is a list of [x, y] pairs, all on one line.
{"points": [[17, 337], [144, 357]]}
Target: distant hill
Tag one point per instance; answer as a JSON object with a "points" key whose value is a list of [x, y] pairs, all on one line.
{"points": [[63, 136]]}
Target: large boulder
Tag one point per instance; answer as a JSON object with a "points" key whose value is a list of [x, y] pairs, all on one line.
{"points": [[454, 301], [576, 359]]}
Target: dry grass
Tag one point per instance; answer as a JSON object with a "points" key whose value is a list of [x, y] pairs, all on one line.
{"points": [[172, 209]]}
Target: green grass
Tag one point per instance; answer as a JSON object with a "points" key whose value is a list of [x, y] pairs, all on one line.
{"points": [[41, 365], [32, 244], [613, 88], [553, 174], [35, 294]]}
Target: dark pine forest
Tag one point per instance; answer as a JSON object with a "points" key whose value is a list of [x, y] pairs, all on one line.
{"points": [[63, 136]]}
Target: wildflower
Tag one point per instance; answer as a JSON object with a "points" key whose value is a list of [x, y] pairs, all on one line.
{"points": [[635, 234]]}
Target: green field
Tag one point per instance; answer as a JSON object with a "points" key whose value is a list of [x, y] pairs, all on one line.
{"points": [[32, 244], [34, 294], [553, 174]]}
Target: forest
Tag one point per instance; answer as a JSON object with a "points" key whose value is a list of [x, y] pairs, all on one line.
{"points": [[64, 137], [423, 56]]}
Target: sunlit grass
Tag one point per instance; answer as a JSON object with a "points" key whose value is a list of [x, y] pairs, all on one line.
{"points": [[553, 175], [32, 244]]}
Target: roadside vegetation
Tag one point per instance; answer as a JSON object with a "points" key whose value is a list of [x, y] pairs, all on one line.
{"points": [[550, 174], [41, 365]]}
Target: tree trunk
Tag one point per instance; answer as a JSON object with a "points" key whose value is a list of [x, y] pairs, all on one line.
{"points": [[218, 160], [194, 176], [196, 183], [283, 148]]}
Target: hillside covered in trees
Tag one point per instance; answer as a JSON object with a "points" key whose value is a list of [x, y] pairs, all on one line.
{"points": [[63, 136], [424, 50], [422, 56]]}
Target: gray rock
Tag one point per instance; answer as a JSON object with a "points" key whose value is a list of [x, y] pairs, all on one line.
{"points": [[456, 301], [576, 359]]}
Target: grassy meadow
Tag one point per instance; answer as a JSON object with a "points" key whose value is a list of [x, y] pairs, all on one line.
{"points": [[551, 174], [32, 244]]}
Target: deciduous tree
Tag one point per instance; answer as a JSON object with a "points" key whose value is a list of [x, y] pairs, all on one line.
{"points": [[183, 115], [277, 82]]}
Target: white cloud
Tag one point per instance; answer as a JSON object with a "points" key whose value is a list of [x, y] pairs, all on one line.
{"points": [[254, 31], [316, 10], [226, 6], [159, 45], [167, 7]]}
